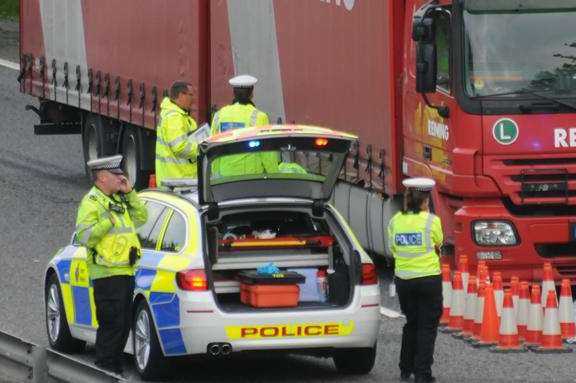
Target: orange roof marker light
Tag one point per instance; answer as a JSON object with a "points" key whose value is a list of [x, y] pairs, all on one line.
{"points": [[321, 141]]}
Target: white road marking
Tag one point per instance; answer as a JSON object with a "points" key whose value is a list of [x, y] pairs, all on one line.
{"points": [[390, 313], [9, 64]]}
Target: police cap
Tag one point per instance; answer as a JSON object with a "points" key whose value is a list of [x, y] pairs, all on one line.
{"points": [[419, 183], [243, 81], [112, 164]]}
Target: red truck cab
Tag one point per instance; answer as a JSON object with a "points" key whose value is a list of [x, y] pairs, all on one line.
{"points": [[494, 125]]}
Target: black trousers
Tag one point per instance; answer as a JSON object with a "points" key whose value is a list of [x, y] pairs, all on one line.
{"points": [[421, 302], [113, 298]]}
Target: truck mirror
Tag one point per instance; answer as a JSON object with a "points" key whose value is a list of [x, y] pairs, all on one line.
{"points": [[423, 29], [426, 69]]}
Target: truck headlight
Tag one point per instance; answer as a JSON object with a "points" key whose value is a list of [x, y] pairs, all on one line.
{"points": [[494, 233]]}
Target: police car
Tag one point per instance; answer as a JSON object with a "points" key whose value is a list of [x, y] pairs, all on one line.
{"points": [[201, 237]]}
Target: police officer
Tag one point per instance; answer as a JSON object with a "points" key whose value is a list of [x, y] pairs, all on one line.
{"points": [[414, 235], [175, 153], [242, 114], [106, 224]]}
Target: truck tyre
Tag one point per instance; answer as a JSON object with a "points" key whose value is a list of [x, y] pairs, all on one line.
{"points": [[149, 360], [357, 361], [56, 323], [133, 148], [99, 136]]}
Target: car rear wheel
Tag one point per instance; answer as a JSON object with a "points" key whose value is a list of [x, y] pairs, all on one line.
{"points": [[359, 361], [56, 324], [148, 358]]}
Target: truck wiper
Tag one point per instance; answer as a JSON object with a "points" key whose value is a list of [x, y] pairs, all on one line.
{"points": [[530, 93]]}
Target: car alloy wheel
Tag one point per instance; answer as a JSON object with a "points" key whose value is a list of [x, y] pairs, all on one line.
{"points": [[53, 313], [142, 339]]}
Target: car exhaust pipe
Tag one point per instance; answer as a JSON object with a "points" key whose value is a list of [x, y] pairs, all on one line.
{"points": [[214, 349], [226, 349]]}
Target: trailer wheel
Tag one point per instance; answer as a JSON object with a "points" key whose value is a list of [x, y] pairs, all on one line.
{"points": [[99, 138], [92, 140], [132, 150]]}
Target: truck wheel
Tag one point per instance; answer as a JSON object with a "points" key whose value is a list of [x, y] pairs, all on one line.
{"points": [[358, 361], [132, 150], [91, 140], [56, 324], [148, 358]]}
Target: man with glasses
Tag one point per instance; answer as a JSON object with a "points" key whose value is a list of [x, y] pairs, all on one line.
{"points": [[175, 152], [106, 225]]}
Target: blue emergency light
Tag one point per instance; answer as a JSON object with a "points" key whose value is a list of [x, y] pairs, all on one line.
{"points": [[253, 144]]}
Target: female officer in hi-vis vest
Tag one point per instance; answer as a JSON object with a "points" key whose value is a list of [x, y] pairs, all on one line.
{"points": [[414, 234]]}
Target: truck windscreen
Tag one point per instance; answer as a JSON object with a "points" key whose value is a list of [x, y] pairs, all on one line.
{"points": [[511, 52]]}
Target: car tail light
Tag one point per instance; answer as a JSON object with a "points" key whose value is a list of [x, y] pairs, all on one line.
{"points": [[369, 276], [192, 280]]}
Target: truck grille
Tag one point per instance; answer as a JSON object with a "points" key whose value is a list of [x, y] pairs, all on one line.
{"points": [[536, 181], [552, 250]]}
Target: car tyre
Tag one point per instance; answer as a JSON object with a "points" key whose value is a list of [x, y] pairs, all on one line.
{"points": [[357, 361], [149, 360], [57, 327]]}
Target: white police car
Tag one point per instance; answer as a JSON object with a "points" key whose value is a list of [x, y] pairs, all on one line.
{"points": [[197, 241]]}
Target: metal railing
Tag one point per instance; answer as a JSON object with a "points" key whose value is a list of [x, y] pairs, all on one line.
{"points": [[22, 361]]}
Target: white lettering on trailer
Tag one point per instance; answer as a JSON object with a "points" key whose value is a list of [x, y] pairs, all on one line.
{"points": [[565, 138], [438, 130], [348, 4]]}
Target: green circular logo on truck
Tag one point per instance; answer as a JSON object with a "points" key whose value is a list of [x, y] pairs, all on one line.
{"points": [[505, 131]]}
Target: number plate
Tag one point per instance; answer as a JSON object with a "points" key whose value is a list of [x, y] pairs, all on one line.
{"points": [[543, 187]]}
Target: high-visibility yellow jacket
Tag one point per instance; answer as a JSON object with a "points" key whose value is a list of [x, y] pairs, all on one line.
{"points": [[109, 244], [238, 116], [175, 154], [412, 239]]}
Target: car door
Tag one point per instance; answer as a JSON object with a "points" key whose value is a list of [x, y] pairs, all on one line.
{"points": [[82, 290]]}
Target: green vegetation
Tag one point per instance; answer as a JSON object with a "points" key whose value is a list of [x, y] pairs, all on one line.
{"points": [[9, 8]]}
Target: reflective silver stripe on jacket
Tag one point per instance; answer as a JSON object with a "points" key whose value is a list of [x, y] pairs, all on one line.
{"points": [[408, 274], [120, 230], [427, 240], [217, 121], [253, 118], [85, 236], [171, 160], [187, 149]]}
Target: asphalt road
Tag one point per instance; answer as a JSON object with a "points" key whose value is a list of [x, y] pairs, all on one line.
{"points": [[41, 184]]}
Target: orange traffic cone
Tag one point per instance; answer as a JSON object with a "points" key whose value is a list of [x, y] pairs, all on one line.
{"points": [[522, 311], [547, 282], [478, 312], [468, 327], [566, 311], [152, 181], [446, 295], [479, 267], [498, 291], [456, 304], [534, 326], [508, 340], [514, 284], [551, 340], [480, 272], [463, 269], [490, 323]]}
